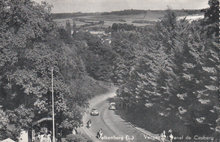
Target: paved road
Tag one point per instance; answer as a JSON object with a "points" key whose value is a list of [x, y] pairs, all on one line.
{"points": [[115, 129]]}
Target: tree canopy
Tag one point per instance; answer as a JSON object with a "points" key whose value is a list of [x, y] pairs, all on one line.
{"points": [[172, 74], [30, 46]]}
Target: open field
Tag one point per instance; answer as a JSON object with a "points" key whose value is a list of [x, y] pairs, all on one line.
{"points": [[142, 19]]}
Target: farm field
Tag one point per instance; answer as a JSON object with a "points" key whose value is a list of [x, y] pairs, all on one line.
{"points": [[142, 19]]}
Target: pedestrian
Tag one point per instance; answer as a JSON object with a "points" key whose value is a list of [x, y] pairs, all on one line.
{"points": [[163, 136], [99, 134], [45, 138], [59, 137], [37, 137], [74, 131], [170, 135], [49, 134]]}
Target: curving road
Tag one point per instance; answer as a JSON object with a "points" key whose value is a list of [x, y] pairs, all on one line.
{"points": [[115, 129]]}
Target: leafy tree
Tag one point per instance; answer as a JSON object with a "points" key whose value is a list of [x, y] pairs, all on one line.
{"points": [[212, 13], [174, 77], [212, 18], [30, 46], [97, 56], [68, 27]]}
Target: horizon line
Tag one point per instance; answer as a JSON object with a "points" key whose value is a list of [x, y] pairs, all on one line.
{"points": [[125, 9]]}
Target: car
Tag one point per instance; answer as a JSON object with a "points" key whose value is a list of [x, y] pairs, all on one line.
{"points": [[112, 106], [94, 112]]}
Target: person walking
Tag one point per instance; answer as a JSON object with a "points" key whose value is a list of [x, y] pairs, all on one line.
{"points": [[170, 135], [163, 136], [99, 134], [89, 123], [59, 137], [37, 137], [74, 131]]}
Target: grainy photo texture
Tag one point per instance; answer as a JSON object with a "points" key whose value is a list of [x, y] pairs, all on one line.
{"points": [[109, 71]]}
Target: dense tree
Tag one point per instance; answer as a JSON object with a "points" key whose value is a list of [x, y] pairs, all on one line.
{"points": [[212, 13], [174, 77], [212, 17], [97, 56], [121, 27], [170, 70], [68, 27], [30, 46]]}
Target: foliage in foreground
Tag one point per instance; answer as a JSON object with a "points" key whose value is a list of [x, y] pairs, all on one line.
{"points": [[170, 74], [30, 46]]}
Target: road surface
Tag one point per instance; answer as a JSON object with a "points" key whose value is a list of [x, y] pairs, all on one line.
{"points": [[115, 129]]}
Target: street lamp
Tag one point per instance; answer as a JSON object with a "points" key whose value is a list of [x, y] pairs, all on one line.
{"points": [[53, 105]]}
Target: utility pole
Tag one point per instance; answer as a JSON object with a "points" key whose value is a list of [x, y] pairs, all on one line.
{"points": [[53, 106]]}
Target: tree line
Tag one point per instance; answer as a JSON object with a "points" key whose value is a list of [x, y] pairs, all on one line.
{"points": [[166, 73], [31, 45], [169, 73]]}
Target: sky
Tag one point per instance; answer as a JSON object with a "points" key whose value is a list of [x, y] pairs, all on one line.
{"points": [[69, 6]]}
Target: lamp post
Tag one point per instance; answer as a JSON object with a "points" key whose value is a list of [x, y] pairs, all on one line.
{"points": [[53, 106]]}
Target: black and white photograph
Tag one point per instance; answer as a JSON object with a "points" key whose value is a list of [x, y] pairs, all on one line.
{"points": [[109, 71]]}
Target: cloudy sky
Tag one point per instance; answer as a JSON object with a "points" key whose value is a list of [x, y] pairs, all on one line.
{"points": [[112, 5]]}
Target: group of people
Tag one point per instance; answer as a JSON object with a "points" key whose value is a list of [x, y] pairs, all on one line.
{"points": [[163, 136], [99, 133], [44, 136]]}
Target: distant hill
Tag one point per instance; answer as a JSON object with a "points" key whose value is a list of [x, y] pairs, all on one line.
{"points": [[134, 12], [69, 15], [124, 12]]}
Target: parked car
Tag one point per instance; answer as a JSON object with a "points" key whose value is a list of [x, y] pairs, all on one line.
{"points": [[112, 106], [94, 112]]}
